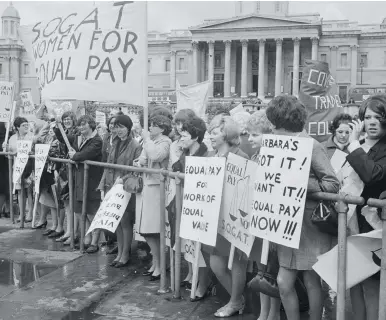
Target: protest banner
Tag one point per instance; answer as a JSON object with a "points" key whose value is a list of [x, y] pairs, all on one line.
{"points": [[111, 210], [234, 214], [100, 118], [23, 149], [193, 97], [188, 248], [204, 179], [170, 205], [6, 100], [41, 154], [97, 53], [280, 189], [26, 101], [319, 94]]}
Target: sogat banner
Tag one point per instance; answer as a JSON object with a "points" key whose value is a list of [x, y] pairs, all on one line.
{"points": [[319, 93], [95, 54]]}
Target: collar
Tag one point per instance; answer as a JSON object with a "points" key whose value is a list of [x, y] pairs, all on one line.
{"points": [[330, 143]]}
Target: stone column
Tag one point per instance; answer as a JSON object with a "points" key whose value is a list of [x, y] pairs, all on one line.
{"points": [[195, 67], [244, 68], [202, 63], [315, 43], [260, 90], [279, 51], [173, 69], [211, 66], [227, 71], [295, 80], [334, 50], [15, 74], [354, 64]]}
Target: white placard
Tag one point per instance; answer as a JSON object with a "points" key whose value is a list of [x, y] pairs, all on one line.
{"points": [[188, 248], [338, 159], [92, 54], [26, 101], [6, 99], [112, 208], [236, 201], [280, 189], [170, 194], [100, 117], [41, 153], [23, 149], [204, 178]]}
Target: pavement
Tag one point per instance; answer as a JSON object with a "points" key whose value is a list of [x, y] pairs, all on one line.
{"points": [[44, 280]]}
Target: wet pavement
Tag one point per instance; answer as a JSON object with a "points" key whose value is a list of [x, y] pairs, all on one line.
{"points": [[42, 279]]}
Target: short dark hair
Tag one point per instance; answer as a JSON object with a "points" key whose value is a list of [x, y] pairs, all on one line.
{"points": [[70, 114], [376, 103], [108, 122], [287, 112], [19, 121], [155, 110], [125, 121], [338, 120], [183, 115], [88, 119], [196, 127], [162, 122]]}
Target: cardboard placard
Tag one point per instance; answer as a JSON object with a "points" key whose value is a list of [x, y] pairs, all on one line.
{"points": [[6, 100], [280, 189], [26, 101], [23, 149], [204, 178], [236, 201], [100, 117], [41, 154]]}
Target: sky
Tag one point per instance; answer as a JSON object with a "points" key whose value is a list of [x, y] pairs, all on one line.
{"points": [[164, 16]]}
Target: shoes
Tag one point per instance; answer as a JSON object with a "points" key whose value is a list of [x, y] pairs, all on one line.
{"points": [[230, 311], [155, 278], [112, 264], [184, 283], [147, 273], [68, 241], [41, 226], [62, 238], [113, 250], [92, 249], [121, 264], [48, 232], [206, 294], [56, 234], [28, 220]]}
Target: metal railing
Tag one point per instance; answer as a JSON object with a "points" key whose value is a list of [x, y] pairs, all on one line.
{"points": [[342, 205]]}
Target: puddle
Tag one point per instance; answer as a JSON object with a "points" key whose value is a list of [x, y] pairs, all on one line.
{"points": [[19, 274]]}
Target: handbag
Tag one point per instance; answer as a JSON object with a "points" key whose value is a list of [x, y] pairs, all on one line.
{"points": [[325, 218], [133, 183]]}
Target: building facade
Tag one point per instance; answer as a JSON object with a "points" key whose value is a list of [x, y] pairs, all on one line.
{"points": [[15, 65], [261, 51]]}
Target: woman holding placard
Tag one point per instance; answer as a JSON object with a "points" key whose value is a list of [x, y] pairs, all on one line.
{"points": [[225, 138], [368, 158], [123, 152], [288, 116], [155, 155]]}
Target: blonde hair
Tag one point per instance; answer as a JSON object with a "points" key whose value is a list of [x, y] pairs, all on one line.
{"points": [[259, 122], [228, 127], [242, 119]]}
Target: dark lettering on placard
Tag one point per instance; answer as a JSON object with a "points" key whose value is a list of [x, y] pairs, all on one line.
{"points": [[265, 223], [122, 4], [202, 225], [109, 70], [95, 20], [67, 31], [36, 31], [125, 67], [59, 69], [56, 27], [67, 77], [74, 40], [93, 38], [118, 41], [130, 42], [89, 66], [60, 48]]}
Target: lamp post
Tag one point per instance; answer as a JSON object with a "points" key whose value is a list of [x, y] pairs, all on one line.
{"points": [[362, 64]]}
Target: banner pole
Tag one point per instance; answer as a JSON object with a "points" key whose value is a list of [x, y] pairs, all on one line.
{"points": [[231, 257], [9, 122], [145, 82], [196, 268]]}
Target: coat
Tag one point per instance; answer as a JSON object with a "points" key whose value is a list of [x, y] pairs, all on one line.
{"points": [[331, 146], [107, 145]]}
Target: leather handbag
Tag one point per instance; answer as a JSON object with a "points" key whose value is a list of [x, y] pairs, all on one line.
{"points": [[325, 218], [133, 183]]}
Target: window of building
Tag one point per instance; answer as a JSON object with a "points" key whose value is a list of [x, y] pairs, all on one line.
{"points": [[13, 28], [181, 64], [1, 68], [343, 94], [167, 65], [148, 66], [363, 63], [323, 57], [343, 60], [26, 68], [217, 60], [277, 6]]}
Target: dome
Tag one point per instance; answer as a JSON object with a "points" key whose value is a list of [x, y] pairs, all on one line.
{"points": [[11, 12]]}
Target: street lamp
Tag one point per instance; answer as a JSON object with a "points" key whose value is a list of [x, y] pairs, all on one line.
{"points": [[362, 64]]}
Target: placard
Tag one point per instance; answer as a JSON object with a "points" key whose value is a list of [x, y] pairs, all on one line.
{"points": [[111, 210], [26, 101], [280, 189], [23, 149], [188, 248], [170, 205], [92, 54], [41, 154], [6, 99], [236, 201], [100, 117], [204, 178]]}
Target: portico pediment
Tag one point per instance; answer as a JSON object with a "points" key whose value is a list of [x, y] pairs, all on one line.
{"points": [[250, 21]]}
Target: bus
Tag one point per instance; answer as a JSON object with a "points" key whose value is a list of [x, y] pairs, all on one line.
{"points": [[360, 93]]}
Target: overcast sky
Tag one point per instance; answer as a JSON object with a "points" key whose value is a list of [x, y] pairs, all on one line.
{"points": [[166, 15]]}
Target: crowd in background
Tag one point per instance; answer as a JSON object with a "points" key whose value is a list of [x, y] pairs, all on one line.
{"points": [[166, 145]]}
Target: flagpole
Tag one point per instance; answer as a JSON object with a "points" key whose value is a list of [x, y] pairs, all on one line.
{"points": [[145, 83]]}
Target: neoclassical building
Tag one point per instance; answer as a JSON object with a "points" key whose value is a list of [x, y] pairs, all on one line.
{"points": [[261, 51], [14, 61]]}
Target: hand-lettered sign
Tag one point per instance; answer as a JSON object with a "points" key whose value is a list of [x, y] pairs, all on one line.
{"points": [[41, 153], [23, 149], [236, 201], [204, 178], [95, 53], [6, 100], [111, 210], [280, 189]]}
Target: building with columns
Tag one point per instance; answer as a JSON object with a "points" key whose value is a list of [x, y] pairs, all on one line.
{"points": [[261, 51], [14, 61]]}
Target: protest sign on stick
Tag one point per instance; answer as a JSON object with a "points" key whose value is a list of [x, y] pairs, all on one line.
{"points": [[23, 149], [26, 101], [94, 53], [100, 118], [204, 178], [280, 189], [111, 210], [234, 214], [9, 123], [6, 100]]}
